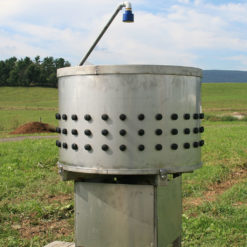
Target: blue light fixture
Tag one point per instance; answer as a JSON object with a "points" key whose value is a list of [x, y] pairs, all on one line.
{"points": [[128, 16]]}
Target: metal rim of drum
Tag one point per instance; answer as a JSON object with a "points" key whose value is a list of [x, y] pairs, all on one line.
{"points": [[129, 69]]}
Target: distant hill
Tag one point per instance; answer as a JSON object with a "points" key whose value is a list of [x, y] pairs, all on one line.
{"points": [[224, 76]]}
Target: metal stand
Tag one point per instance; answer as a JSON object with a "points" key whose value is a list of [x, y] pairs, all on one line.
{"points": [[128, 211]]}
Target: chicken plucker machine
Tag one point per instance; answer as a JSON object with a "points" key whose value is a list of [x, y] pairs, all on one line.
{"points": [[127, 133]]}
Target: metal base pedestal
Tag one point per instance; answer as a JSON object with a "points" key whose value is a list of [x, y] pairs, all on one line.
{"points": [[113, 212]]}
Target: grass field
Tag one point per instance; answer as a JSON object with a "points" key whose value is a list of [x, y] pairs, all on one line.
{"points": [[36, 207]]}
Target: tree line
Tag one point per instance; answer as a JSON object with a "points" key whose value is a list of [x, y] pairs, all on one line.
{"points": [[27, 73]]}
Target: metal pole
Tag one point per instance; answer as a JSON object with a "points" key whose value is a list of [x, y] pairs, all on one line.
{"points": [[101, 34]]}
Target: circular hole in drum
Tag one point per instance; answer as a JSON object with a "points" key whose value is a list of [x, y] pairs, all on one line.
{"points": [[58, 116], [158, 132], [196, 116], [158, 116], [141, 132], [186, 116], [195, 130], [87, 132], [141, 117], [201, 143], [186, 145], [123, 117], [122, 147], [74, 132], [74, 117], [105, 117], [141, 147], [104, 132], [201, 129], [64, 131], [88, 147], [74, 146], [122, 132], [88, 117], [174, 131], [195, 144], [174, 116], [186, 131], [158, 147], [201, 115], [174, 146], [58, 143], [105, 147]]}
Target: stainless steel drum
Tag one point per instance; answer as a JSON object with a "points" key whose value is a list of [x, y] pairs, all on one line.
{"points": [[132, 119]]}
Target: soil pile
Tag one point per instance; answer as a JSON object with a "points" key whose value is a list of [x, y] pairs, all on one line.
{"points": [[34, 127]]}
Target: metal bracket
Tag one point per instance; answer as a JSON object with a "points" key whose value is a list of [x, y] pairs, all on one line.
{"points": [[163, 174]]}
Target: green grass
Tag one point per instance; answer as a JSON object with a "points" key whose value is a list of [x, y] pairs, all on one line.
{"points": [[21, 97], [224, 97], [36, 207], [30, 194], [22, 105]]}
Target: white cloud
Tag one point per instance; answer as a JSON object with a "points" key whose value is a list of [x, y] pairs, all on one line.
{"points": [[241, 61], [176, 35], [184, 1]]}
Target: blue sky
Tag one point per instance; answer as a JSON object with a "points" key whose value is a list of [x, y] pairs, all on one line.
{"points": [[205, 34]]}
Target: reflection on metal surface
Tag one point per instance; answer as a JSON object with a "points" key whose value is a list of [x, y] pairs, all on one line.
{"points": [[137, 107]]}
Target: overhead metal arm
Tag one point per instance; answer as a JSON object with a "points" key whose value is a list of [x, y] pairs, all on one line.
{"points": [[128, 8]]}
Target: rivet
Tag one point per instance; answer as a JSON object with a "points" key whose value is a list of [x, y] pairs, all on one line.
{"points": [[195, 130], [141, 132], [65, 145], [74, 146], [201, 129], [87, 117], [186, 145], [58, 116], [174, 116], [195, 144], [186, 116], [196, 116], [87, 132], [105, 117], [58, 130], [74, 132], [105, 132], [141, 117], [174, 131], [201, 143], [158, 132], [141, 147], [122, 117], [174, 146], [122, 147], [201, 115], [74, 117], [122, 132], [58, 143], [105, 147], [158, 116], [186, 131], [64, 117], [64, 131], [88, 147], [158, 147]]}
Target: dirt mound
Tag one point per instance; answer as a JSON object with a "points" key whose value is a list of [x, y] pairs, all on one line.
{"points": [[34, 127]]}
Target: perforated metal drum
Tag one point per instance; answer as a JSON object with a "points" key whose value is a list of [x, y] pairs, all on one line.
{"points": [[132, 119]]}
